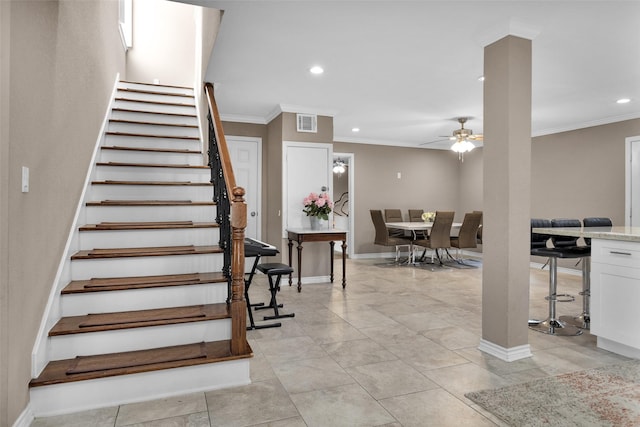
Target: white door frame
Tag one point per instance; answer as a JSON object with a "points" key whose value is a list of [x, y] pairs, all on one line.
{"points": [[258, 142], [352, 206], [628, 179]]}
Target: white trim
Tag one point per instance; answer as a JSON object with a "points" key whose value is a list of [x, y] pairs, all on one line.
{"points": [[510, 27], [507, 354], [628, 183], [387, 142], [315, 279], [618, 348], [26, 417], [238, 118], [39, 354], [588, 124]]}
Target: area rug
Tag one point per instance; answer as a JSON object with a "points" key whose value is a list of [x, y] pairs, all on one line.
{"points": [[607, 396]]}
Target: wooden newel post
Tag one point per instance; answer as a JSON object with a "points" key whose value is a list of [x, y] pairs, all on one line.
{"points": [[238, 304]]}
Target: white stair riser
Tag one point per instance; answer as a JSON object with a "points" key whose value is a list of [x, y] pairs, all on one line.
{"points": [[146, 173], [143, 299], [142, 116], [152, 129], [112, 391], [155, 88], [150, 157], [151, 192], [149, 237], [156, 97], [89, 343], [96, 214], [158, 108], [144, 142], [84, 269]]}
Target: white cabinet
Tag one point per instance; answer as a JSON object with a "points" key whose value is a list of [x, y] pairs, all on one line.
{"points": [[615, 295]]}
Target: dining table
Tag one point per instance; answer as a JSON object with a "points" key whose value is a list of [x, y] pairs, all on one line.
{"points": [[414, 227]]}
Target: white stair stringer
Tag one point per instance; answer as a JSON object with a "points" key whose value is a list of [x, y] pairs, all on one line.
{"points": [[111, 391], [90, 343]]}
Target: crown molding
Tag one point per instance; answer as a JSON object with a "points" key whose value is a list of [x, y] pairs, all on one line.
{"points": [[243, 119], [512, 27], [588, 124]]}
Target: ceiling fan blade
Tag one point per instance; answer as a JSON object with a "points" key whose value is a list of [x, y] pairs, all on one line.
{"points": [[476, 137]]}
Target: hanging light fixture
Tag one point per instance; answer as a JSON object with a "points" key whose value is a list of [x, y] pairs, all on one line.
{"points": [[462, 146], [339, 166], [462, 138]]}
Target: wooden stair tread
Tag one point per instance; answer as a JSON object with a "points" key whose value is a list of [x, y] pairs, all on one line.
{"points": [[139, 318], [147, 225], [98, 284], [151, 150], [152, 92], [172, 183], [153, 165], [132, 362], [150, 203], [161, 113], [100, 253], [146, 135], [144, 101]]}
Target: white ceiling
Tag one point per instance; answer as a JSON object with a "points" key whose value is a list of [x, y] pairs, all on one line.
{"points": [[403, 71]]}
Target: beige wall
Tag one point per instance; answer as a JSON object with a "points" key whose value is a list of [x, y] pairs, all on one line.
{"points": [[429, 181], [62, 64], [164, 43]]}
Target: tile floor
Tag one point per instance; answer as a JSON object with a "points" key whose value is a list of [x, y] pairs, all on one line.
{"points": [[398, 347]]}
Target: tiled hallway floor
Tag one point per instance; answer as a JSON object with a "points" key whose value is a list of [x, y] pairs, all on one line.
{"points": [[397, 347]]}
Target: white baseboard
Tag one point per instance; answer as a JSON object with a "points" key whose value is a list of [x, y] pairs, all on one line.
{"points": [[26, 417], [507, 354]]}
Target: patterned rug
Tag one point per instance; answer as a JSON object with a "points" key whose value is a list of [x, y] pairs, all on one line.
{"points": [[607, 396]]}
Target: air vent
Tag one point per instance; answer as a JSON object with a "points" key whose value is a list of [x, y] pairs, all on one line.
{"points": [[307, 123]]}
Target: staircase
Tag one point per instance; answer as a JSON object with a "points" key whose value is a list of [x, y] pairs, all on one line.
{"points": [[146, 313]]}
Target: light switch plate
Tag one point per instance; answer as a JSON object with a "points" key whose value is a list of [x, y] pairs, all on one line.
{"points": [[25, 179]]}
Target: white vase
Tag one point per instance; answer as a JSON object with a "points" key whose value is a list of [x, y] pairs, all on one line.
{"points": [[315, 222]]}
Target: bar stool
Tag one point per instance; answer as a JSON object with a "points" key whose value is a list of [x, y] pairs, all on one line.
{"points": [[276, 270], [553, 325]]}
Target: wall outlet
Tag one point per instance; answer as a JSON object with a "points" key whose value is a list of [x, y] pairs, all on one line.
{"points": [[399, 175]]}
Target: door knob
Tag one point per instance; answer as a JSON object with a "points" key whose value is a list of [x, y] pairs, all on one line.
{"points": [[253, 213]]}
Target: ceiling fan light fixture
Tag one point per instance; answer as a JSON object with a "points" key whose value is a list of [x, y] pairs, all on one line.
{"points": [[339, 167]]}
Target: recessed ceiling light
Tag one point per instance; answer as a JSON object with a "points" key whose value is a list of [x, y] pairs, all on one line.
{"points": [[623, 101], [316, 69], [355, 129]]}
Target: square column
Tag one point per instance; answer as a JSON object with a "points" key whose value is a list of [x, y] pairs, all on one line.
{"points": [[507, 188]]}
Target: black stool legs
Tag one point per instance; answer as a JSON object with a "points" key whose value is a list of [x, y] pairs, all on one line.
{"points": [[247, 284], [583, 320], [276, 270]]}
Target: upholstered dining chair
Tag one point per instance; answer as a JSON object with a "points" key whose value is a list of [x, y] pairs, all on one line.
{"points": [[394, 215], [439, 236], [479, 233], [382, 236], [467, 238], [415, 215]]}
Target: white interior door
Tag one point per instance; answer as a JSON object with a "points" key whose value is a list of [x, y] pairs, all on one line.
{"points": [[632, 202], [246, 158], [306, 168]]}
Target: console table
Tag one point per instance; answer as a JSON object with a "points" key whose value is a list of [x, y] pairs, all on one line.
{"points": [[302, 235]]}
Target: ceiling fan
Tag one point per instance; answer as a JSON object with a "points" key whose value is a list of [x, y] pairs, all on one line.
{"points": [[458, 135]]}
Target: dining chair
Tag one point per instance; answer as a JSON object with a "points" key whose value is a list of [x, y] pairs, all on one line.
{"points": [[467, 238], [440, 234], [382, 236], [394, 215], [415, 215], [479, 233]]}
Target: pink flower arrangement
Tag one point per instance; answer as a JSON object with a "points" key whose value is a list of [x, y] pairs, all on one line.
{"points": [[319, 205]]}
